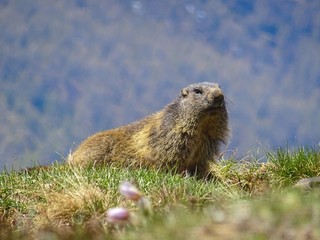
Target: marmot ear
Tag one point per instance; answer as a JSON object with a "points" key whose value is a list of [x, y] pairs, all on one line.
{"points": [[184, 92]]}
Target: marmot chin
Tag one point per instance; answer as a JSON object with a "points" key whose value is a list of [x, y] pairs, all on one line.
{"points": [[184, 136]]}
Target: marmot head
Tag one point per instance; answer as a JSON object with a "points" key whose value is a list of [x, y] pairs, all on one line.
{"points": [[203, 98]]}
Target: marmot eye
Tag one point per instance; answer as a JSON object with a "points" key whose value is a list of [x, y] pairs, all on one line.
{"points": [[197, 91]]}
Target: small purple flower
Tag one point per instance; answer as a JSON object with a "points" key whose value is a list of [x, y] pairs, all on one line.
{"points": [[130, 191], [118, 215]]}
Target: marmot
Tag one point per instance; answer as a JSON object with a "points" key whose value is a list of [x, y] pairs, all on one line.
{"points": [[184, 136]]}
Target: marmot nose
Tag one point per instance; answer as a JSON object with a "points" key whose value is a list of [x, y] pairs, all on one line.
{"points": [[219, 98], [217, 95]]}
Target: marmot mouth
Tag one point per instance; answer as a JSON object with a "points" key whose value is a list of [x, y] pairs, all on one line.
{"points": [[216, 106]]}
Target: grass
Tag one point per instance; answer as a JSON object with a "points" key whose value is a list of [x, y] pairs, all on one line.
{"points": [[287, 167], [247, 200]]}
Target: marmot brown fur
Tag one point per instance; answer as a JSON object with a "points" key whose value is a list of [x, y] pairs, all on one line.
{"points": [[184, 136]]}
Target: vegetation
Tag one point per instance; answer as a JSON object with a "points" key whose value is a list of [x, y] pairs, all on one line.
{"points": [[72, 68], [246, 200]]}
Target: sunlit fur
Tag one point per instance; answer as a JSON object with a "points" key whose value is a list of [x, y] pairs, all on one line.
{"points": [[184, 136]]}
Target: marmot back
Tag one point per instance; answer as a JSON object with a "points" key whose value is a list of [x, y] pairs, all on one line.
{"points": [[184, 136]]}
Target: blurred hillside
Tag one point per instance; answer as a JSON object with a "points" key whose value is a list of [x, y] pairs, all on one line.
{"points": [[71, 68]]}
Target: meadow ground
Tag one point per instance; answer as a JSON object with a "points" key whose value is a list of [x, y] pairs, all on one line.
{"points": [[246, 200]]}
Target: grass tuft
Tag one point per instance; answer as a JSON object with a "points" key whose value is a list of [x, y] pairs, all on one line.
{"points": [[287, 167], [246, 199]]}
